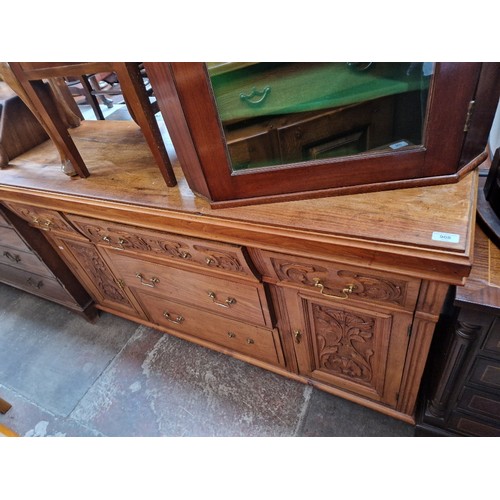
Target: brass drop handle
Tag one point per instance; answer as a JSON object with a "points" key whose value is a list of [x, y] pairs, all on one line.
{"points": [[34, 284], [345, 291], [178, 320], [184, 255], [46, 224], [209, 261], [231, 335], [13, 258], [227, 303], [121, 242], [297, 336], [151, 283], [250, 341]]}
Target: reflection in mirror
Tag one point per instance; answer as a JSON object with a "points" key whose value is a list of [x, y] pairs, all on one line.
{"points": [[282, 113]]}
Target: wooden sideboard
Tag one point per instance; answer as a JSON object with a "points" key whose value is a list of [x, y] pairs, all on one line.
{"points": [[341, 293]]}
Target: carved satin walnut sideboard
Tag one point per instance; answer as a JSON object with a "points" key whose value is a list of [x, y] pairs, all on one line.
{"points": [[339, 292]]}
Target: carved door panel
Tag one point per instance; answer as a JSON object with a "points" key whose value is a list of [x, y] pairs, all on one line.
{"points": [[86, 262], [352, 348]]}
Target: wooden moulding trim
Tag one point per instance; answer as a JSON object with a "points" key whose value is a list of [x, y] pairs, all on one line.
{"points": [[441, 265], [37, 73], [363, 188]]}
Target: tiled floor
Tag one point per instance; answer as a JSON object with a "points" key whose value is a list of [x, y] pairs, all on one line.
{"points": [[67, 377]]}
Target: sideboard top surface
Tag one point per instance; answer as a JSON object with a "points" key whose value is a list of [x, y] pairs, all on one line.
{"points": [[125, 180]]}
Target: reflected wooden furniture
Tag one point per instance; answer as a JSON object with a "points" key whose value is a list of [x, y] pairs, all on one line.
{"points": [[462, 394], [19, 129], [29, 76], [341, 293]]}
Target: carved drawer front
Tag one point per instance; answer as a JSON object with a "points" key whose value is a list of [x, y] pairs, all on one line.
{"points": [[259, 343], [86, 262], [10, 239], [238, 300], [340, 282], [34, 283], [41, 218], [352, 348], [203, 253]]}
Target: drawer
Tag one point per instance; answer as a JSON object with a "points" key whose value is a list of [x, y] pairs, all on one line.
{"points": [[244, 301], [473, 427], [338, 281], [42, 218], [34, 283], [251, 340], [492, 342], [486, 373], [172, 247], [4, 221], [480, 403], [10, 239], [23, 260]]}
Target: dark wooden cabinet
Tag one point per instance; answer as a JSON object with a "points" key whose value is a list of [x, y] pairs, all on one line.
{"points": [[462, 391]]}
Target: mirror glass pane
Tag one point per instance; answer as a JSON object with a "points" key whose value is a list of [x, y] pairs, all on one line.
{"points": [[281, 113]]}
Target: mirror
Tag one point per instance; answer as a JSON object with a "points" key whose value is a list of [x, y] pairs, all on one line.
{"points": [[281, 113]]}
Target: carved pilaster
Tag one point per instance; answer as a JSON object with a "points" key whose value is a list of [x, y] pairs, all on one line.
{"points": [[464, 336]]}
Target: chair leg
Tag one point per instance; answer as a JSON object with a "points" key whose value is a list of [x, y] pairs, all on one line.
{"points": [[4, 406], [91, 98], [137, 100]]}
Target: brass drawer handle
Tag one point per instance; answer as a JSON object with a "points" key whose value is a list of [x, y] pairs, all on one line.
{"points": [[43, 224], [250, 341], [345, 291], [184, 255], [231, 335], [177, 320], [121, 242], [209, 261], [297, 334], [34, 284], [255, 97], [13, 258], [151, 283], [227, 303]]}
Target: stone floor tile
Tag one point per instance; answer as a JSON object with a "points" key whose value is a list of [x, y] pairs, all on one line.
{"points": [[160, 385]]}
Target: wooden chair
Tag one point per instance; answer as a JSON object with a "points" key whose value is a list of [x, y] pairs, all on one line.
{"points": [[29, 76]]}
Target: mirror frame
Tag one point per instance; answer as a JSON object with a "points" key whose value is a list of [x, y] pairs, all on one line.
{"points": [[187, 103]]}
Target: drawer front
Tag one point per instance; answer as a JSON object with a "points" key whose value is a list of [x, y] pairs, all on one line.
{"points": [[41, 218], [486, 373], [340, 282], [10, 239], [480, 403], [492, 342], [472, 427], [203, 253], [34, 283], [4, 221], [246, 339], [23, 260], [243, 301]]}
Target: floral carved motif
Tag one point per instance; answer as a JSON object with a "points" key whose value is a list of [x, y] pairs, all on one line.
{"points": [[219, 259], [365, 286], [345, 342], [96, 268]]}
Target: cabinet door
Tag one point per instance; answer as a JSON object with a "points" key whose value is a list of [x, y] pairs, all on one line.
{"points": [[356, 349], [86, 262]]}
